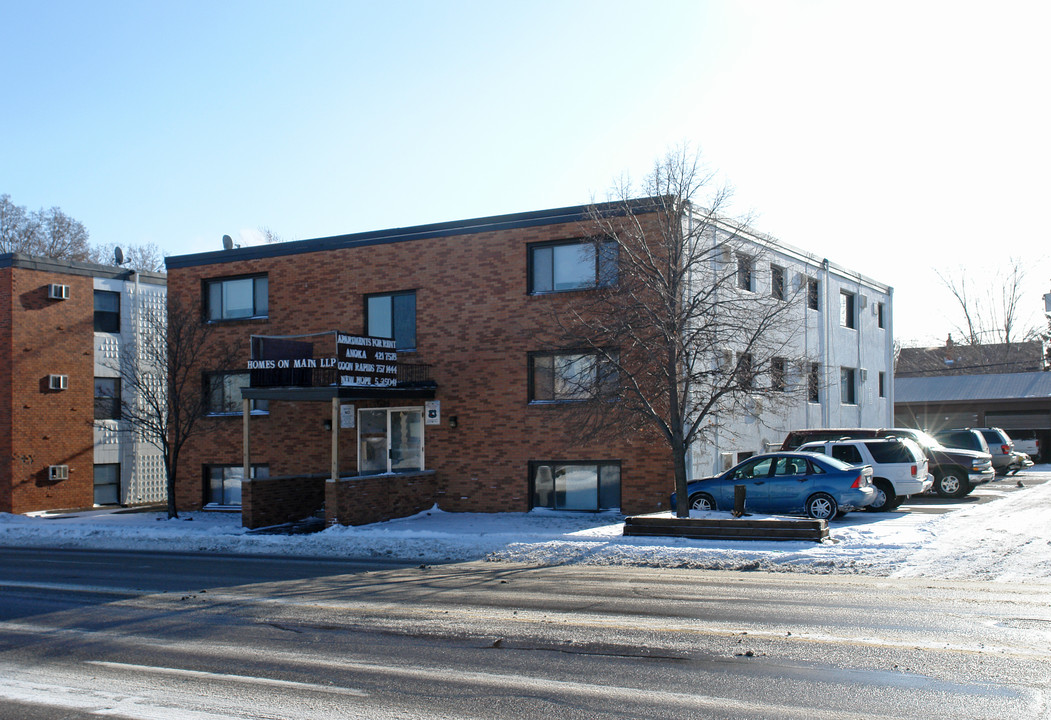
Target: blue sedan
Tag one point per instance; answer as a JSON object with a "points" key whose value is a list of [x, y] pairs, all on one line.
{"points": [[787, 482]]}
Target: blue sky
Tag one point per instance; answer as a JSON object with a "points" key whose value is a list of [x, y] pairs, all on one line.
{"points": [[891, 137]]}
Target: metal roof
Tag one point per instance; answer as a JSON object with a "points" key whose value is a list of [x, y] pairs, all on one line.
{"points": [[1004, 386]]}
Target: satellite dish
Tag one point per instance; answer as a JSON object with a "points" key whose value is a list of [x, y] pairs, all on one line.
{"points": [[118, 256], [228, 242]]}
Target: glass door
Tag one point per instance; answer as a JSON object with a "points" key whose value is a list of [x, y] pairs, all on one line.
{"points": [[372, 441], [390, 440], [406, 440]]}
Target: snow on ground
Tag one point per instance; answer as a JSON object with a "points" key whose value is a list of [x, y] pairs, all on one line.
{"points": [[1007, 539]]}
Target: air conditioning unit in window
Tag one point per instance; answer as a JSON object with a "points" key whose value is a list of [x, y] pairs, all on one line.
{"points": [[58, 382], [58, 292], [58, 472]]}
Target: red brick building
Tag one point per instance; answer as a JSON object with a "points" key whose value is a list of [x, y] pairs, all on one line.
{"points": [[482, 429], [61, 444]]}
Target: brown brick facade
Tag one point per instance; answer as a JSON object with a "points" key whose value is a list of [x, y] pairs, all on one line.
{"points": [[476, 323], [38, 426]]}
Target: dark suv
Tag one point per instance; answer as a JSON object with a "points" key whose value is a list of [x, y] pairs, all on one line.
{"points": [[995, 441], [956, 471]]}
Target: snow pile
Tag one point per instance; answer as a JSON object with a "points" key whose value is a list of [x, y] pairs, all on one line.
{"points": [[1006, 539]]}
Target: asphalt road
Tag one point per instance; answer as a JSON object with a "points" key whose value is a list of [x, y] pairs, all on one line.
{"points": [[202, 637]]}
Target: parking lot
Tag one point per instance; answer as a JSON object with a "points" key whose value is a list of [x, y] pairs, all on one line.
{"points": [[988, 492]]}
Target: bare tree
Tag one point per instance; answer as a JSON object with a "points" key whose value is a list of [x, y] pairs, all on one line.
{"points": [[674, 339], [991, 313], [50, 233], [162, 398], [146, 257]]}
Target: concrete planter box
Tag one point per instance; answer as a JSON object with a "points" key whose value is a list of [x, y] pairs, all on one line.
{"points": [[729, 529]]}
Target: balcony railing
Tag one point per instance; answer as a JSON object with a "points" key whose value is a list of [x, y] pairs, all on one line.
{"points": [[410, 375]]}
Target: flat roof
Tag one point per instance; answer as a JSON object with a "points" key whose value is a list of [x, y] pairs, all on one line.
{"points": [[76, 267], [578, 213]]}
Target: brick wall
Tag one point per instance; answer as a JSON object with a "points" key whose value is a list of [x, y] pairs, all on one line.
{"points": [[6, 407], [47, 427], [476, 324], [273, 501], [360, 501]]}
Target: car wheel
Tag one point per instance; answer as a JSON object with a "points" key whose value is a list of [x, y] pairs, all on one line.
{"points": [[951, 484], [885, 497], [822, 506], [702, 501]]}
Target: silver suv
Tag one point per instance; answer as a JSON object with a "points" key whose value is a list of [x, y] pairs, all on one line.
{"points": [[899, 467]]}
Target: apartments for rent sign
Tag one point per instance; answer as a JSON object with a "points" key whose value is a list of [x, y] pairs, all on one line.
{"points": [[360, 361], [366, 361]]}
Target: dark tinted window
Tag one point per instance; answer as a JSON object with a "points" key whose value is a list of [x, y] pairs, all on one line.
{"points": [[962, 439], [890, 452], [993, 437], [107, 311], [847, 453], [392, 315]]}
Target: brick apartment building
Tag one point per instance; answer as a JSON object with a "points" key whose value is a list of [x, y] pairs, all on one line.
{"points": [[472, 421], [63, 327]]}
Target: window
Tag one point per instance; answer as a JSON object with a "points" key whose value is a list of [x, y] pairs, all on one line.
{"points": [[744, 372], [777, 282], [813, 383], [107, 398], [890, 452], [879, 316], [744, 271], [224, 393], [575, 485], [882, 379], [392, 315], [847, 315], [223, 483], [777, 374], [759, 468], [813, 293], [107, 311], [848, 454], [568, 376], [790, 467], [236, 298], [576, 265], [848, 386]]}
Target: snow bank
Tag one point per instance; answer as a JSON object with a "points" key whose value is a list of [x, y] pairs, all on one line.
{"points": [[1008, 539]]}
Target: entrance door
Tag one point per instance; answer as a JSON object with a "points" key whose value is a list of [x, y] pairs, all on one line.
{"points": [[107, 484], [390, 440]]}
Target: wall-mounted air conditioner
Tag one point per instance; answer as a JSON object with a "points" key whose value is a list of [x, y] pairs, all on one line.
{"points": [[58, 292], [58, 382], [58, 472]]}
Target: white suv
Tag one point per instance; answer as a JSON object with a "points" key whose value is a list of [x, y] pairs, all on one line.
{"points": [[899, 467]]}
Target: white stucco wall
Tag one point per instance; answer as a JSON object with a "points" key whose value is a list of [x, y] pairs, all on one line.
{"points": [[820, 338]]}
